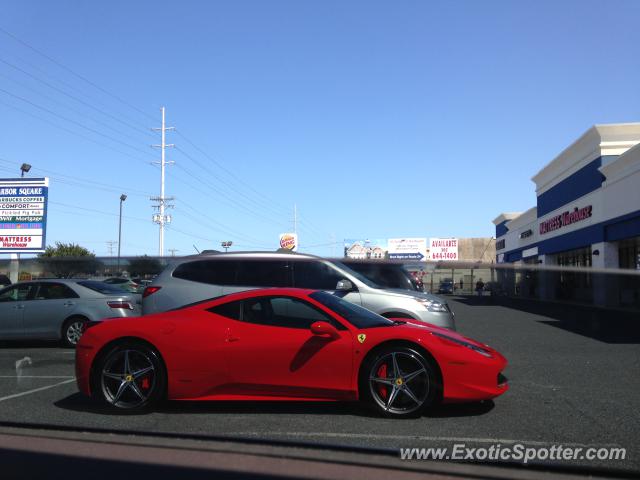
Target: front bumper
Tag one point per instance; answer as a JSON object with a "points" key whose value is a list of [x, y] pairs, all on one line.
{"points": [[474, 381]]}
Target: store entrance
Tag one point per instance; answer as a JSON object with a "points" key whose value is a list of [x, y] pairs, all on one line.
{"points": [[575, 286]]}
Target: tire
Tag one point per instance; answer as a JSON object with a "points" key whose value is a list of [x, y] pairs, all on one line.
{"points": [[403, 394], [130, 377], [72, 331]]}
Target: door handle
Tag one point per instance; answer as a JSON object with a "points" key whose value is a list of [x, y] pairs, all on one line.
{"points": [[19, 307], [68, 304]]}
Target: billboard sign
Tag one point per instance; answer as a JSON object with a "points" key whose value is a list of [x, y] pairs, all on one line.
{"points": [[365, 249], [289, 241], [443, 248], [408, 249], [23, 214]]}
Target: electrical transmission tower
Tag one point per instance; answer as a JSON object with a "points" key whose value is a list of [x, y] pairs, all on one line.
{"points": [[162, 202], [173, 251], [111, 246]]}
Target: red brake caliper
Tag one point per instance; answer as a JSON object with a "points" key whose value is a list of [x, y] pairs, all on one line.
{"points": [[382, 373], [145, 383]]}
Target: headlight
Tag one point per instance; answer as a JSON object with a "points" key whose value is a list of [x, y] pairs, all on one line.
{"points": [[475, 348], [431, 305]]}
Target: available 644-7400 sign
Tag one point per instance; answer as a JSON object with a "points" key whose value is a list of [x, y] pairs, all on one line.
{"points": [[23, 214]]}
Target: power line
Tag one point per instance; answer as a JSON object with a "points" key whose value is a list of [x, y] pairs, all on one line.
{"points": [[239, 192], [73, 97], [78, 181], [74, 110], [89, 139], [231, 203], [51, 112], [81, 77]]}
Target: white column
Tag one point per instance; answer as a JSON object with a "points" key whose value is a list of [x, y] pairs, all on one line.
{"points": [[14, 267], [605, 291], [546, 280]]}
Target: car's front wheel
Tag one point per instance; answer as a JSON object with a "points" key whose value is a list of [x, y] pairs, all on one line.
{"points": [[399, 381], [130, 377]]}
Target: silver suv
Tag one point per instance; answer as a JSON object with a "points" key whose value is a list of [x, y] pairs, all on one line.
{"points": [[196, 278]]}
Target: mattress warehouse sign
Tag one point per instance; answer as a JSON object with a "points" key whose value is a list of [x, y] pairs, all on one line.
{"points": [[23, 214], [565, 219]]}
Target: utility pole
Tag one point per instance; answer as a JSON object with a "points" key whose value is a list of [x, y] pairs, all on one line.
{"points": [[173, 251], [160, 218], [111, 246], [123, 197]]}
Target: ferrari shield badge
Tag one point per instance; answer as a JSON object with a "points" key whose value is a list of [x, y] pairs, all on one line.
{"points": [[362, 337]]}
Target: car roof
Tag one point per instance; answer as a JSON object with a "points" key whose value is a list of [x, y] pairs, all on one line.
{"points": [[251, 254]]}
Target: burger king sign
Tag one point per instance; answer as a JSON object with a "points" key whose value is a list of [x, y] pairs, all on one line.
{"points": [[289, 241]]}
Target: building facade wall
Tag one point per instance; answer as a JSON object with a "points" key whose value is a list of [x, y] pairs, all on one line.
{"points": [[587, 214]]}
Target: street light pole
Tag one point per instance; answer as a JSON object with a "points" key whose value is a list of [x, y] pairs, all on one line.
{"points": [[123, 197], [226, 245]]}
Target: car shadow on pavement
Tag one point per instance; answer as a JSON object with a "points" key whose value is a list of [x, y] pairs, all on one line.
{"points": [[602, 324], [450, 410], [80, 403]]}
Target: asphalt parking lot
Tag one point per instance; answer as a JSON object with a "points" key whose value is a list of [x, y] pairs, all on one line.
{"points": [[567, 388]]}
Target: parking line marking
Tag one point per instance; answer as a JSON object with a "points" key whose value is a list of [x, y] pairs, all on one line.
{"points": [[15, 395], [37, 376]]}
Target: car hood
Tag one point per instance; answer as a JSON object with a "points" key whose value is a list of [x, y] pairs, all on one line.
{"points": [[412, 294], [419, 329]]}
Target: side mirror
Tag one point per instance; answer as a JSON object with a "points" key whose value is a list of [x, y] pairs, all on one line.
{"points": [[344, 285], [324, 329]]}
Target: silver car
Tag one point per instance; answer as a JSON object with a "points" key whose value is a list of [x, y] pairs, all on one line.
{"points": [[196, 278], [58, 309]]}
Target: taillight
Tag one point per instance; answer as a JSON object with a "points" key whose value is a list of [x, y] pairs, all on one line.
{"points": [[119, 304], [150, 291]]}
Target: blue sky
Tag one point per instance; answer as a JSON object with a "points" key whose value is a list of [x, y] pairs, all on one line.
{"points": [[378, 119]]}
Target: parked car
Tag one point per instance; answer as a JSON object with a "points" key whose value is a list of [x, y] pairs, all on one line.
{"points": [[125, 284], [446, 287], [58, 309], [287, 344], [387, 275], [197, 278], [4, 281]]}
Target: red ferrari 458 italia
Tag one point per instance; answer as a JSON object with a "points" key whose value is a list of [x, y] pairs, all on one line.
{"points": [[283, 344]]}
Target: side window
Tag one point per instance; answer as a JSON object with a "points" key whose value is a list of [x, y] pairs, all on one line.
{"points": [[214, 272], [53, 291], [263, 273], [17, 293], [315, 275], [284, 312], [230, 310]]}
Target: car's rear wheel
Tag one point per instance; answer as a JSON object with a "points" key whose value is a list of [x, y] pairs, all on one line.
{"points": [[399, 381], [72, 331], [130, 377]]}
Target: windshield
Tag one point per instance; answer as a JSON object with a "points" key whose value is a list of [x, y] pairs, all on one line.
{"points": [[357, 316], [358, 275]]}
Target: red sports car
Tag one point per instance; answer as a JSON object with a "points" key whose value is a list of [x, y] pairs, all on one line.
{"points": [[283, 344]]}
